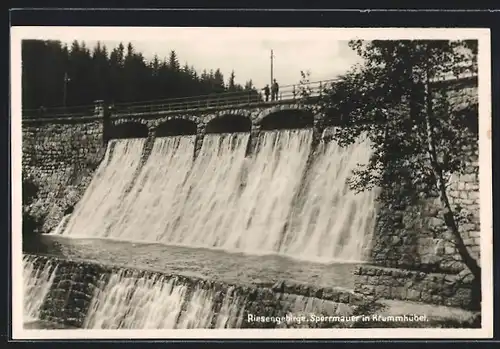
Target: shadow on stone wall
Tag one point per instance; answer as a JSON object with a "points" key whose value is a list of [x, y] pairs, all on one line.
{"points": [[229, 123], [176, 127], [287, 119], [129, 130]]}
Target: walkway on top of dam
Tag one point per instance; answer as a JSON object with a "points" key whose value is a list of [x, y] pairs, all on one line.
{"points": [[288, 94]]}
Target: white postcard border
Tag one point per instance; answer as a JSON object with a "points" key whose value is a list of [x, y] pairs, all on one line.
{"points": [[158, 34]]}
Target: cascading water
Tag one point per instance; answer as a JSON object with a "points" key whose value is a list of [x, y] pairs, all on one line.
{"points": [[273, 178], [226, 200], [330, 221], [107, 189], [61, 226], [37, 282], [148, 210], [135, 301], [212, 187]]}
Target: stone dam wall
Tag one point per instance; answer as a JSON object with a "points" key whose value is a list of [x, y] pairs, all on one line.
{"points": [[77, 283], [415, 236], [453, 290], [61, 155]]}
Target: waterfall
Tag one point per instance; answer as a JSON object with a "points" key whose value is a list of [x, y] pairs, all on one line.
{"points": [[212, 188], [61, 226], [38, 279], [266, 203], [330, 221], [273, 178], [107, 189], [138, 301], [155, 199]]}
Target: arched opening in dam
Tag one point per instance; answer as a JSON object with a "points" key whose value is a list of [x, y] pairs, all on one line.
{"points": [[229, 123], [287, 119], [129, 130], [176, 127]]}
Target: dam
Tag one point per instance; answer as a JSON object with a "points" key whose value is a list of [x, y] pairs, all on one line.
{"points": [[179, 218]]}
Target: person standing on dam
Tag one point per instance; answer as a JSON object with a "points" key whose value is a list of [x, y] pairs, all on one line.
{"points": [[274, 91], [266, 92]]}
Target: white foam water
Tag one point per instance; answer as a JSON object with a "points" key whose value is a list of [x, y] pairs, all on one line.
{"points": [[156, 198], [212, 188], [330, 221], [61, 226], [107, 189], [273, 178], [37, 282], [135, 301], [226, 200]]}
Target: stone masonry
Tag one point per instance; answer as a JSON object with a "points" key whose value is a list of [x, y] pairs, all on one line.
{"points": [[77, 282], [413, 256], [454, 290], [60, 157]]}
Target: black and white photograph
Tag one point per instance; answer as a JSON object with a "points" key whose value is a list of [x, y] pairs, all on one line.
{"points": [[222, 182]]}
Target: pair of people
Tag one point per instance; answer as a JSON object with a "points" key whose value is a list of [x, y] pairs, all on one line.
{"points": [[274, 91]]}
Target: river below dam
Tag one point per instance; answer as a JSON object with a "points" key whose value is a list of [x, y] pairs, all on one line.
{"points": [[147, 287], [204, 263]]}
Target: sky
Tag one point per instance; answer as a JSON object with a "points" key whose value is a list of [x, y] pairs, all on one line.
{"points": [[246, 51], [322, 51]]}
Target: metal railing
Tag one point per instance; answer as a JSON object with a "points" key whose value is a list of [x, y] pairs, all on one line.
{"points": [[285, 94], [60, 112], [223, 100]]}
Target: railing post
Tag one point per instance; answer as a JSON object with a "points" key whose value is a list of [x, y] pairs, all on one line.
{"points": [[320, 88], [294, 93]]}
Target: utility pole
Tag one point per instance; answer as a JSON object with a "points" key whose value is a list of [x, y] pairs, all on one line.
{"points": [[272, 57], [66, 80]]}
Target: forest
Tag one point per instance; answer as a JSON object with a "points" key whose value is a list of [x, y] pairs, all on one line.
{"points": [[55, 75]]}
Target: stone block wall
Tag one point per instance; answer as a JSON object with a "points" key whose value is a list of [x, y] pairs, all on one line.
{"points": [[410, 285], [71, 293], [60, 157], [414, 236], [413, 254], [77, 282]]}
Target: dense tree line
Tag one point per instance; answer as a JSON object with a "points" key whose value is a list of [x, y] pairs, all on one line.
{"points": [[56, 75]]}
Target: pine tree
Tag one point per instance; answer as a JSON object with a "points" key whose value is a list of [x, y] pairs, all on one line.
{"points": [[55, 74], [218, 82], [173, 62], [231, 85]]}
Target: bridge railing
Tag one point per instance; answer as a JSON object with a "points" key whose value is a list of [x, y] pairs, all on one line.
{"points": [[286, 93], [60, 112]]}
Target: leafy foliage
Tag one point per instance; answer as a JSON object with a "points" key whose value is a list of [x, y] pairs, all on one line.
{"points": [[383, 100], [399, 99]]}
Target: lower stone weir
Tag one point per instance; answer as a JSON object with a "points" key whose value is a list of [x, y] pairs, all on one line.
{"points": [[77, 286], [91, 295]]}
